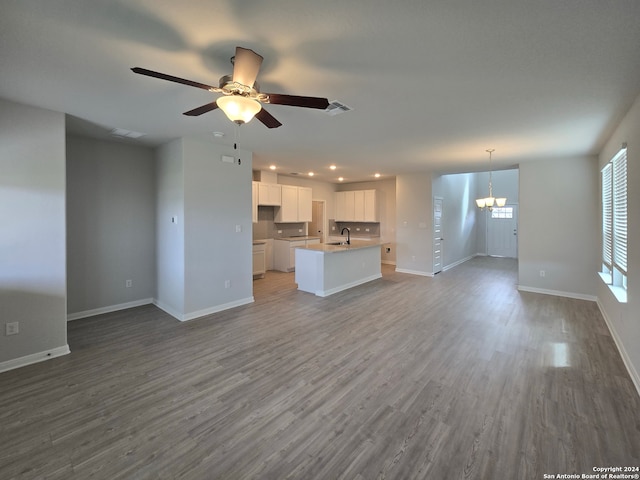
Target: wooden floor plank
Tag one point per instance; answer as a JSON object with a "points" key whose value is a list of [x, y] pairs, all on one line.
{"points": [[403, 377]]}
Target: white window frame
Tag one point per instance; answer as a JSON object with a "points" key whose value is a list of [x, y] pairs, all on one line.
{"points": [[613, 181]]}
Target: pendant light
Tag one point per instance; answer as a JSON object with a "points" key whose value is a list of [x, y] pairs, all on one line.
{"points": [[490, 201]]}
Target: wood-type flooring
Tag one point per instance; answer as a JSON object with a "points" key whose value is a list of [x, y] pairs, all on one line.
{"points": [[459, 376]]}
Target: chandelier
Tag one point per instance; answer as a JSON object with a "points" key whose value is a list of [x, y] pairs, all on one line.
{"points": [[490, 200]]}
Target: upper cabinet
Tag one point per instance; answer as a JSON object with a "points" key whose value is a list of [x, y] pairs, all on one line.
{"points": [[357, 206], [269, 194], [295, 205]]}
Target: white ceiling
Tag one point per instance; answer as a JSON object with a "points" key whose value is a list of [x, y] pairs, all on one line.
{"points": [[432, 83]]}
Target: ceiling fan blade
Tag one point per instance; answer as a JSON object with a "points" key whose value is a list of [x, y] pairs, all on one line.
{"points": [[297, 101], [246, 65], [268, 119], [203, 109], [171, 78]]}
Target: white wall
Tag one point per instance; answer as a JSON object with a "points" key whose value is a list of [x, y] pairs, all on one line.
{"points": [[32, 237], [217, 198], [414, 223], [558, 226], [623, 318], [386, 210], [110, 225]]}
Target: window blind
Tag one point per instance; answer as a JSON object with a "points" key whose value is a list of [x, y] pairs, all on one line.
{"points": [[607, 216], [620, 210]]}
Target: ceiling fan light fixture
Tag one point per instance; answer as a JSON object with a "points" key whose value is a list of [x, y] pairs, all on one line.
{"points": [[237, 108]]}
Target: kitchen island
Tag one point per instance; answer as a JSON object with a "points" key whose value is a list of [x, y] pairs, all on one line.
{"points": [[324, 269]]}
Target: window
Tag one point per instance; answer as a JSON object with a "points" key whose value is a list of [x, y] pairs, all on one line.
{"points": [[502, 212], [614, 224]]}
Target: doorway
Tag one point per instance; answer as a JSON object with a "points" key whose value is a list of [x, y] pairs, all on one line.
{"points": [[502, 231], [316, 226]]}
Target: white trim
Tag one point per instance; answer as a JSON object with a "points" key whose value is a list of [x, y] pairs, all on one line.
{"points": [[414, 272], [111, 308], [218, 308], [331, 291], [633, 373], [455, 264], [558, 293], [34, 358], [388, 262], [167, 309]]}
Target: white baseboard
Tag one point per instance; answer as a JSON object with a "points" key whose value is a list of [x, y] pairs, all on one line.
{"points": [[217, 308], [331, 291], [633, 373], [558, 293], [414, 272], [34, 358], [184, 317], [455, 264], [111, 308]]}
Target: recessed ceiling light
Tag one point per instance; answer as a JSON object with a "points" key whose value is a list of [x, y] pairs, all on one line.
{"points": [[272, 167], [311, 174], [340, 179], [333, 167], [218, 134], [377, 175]]}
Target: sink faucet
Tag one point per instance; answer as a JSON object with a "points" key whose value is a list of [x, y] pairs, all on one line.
{"points": [[348, 235]]}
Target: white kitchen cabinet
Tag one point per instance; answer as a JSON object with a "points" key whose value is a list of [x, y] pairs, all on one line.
{"points": [[259, 259], [269, 194], [357, 206], [370, 206], [296, 205], [254, 202], [284, 253], [305, 204]]}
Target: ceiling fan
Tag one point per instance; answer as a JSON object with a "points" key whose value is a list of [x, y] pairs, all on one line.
{"points": [[241, 98]]}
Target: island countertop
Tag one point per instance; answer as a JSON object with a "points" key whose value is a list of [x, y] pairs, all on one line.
{"points": [[327, 248]]}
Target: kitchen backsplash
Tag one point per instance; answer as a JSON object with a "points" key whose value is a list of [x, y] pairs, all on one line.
{"points": [[267, 228], [358, 229]]}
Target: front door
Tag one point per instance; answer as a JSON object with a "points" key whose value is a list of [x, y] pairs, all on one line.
{"points": [[437, 235], [502, 231]]}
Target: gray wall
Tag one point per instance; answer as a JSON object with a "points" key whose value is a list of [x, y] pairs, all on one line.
{"points": [[458, 217], [623, 317], [110, 224], [558, 226], [217, 198], [169, 242], [414, 220], [32, 236]]}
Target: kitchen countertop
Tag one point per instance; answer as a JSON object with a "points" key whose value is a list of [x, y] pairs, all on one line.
{"points": [[355, 245], [259, 242]]}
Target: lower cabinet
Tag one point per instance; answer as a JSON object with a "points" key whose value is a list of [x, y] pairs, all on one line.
{"points": [[259, 259], [284, 253]]}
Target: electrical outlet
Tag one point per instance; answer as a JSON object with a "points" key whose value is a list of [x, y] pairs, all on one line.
{"points": [[128, 283], [11, 328], [227, 284], [238, 228]]}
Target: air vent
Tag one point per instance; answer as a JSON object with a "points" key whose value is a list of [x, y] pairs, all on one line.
{"points": [[121, 132], [336, 107]]}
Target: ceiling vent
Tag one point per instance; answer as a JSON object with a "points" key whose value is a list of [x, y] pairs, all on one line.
{"points": [[336, 107], [122, 133]]}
